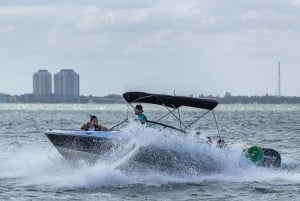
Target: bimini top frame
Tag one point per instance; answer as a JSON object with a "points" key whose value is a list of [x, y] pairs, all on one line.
{"points": [[173, 103], [169, 101]]}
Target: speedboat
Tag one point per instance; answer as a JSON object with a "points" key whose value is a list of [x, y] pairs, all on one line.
{"points": [[92, 145]]}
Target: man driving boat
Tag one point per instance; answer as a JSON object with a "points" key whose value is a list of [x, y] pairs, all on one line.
{"points": [[138, 110]]}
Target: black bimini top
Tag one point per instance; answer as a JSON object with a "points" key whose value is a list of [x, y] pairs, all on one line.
{"points": [[169, 101]]}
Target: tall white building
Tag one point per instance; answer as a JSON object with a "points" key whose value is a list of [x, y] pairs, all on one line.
{"points": [[42, 83], [66, 83]]}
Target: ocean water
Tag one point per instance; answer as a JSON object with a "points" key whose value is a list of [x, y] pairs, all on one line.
{"points": [[32, 169]]}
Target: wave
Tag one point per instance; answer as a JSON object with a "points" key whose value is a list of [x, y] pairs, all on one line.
{"points": [[179, 158]]}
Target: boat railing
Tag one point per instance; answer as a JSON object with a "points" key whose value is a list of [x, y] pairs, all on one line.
{"points": [[117, 124], [165, 126]]}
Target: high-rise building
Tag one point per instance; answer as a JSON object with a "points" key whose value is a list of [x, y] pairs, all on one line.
{"points": [[66, 84], [42, 83]]}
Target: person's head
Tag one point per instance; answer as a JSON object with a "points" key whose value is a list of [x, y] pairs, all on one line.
{"points": [[138, 109], [93, 120]]}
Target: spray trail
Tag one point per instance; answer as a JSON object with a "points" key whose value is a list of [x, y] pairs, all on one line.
{"points": [[178, 158]]}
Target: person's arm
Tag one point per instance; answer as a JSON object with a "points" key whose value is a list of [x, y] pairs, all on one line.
{"points": [[84, 127], [103, 128]]}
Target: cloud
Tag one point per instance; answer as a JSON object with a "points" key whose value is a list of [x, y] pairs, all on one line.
{"points": [[8, 29], [98, 18], [296, 2], [168, 17], [204, 43], [21, 11], [252, 15]]}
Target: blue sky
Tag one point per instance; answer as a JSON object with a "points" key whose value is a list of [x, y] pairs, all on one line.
{"points": [[192, 47]]}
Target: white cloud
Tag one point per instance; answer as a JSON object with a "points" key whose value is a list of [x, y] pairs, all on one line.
{"points": [[252, 15], [98, 17], [296, 2], [7, 28], [21, 11]]}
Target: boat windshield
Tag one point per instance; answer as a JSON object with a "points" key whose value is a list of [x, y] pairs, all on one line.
{"points": [[152, 124]]}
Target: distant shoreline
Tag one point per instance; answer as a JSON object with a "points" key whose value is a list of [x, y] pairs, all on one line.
{"points": [[115, 98]]}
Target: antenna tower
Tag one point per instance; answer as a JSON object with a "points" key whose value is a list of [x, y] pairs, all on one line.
{"points": [[279, 81]]}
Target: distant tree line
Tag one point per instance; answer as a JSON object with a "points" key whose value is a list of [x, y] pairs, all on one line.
{"points": [[51, 98], [260, 99], [266, 99], [115, 98]]}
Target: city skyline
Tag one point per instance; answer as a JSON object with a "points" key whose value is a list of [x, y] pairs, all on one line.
{"points": [[66, 83], [190, 47]]}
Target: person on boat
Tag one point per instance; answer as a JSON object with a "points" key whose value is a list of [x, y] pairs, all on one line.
{"points": [[93, 125], [138, 110]]}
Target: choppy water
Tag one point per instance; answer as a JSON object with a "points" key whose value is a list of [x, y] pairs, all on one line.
{"points": [[32, 169]]}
